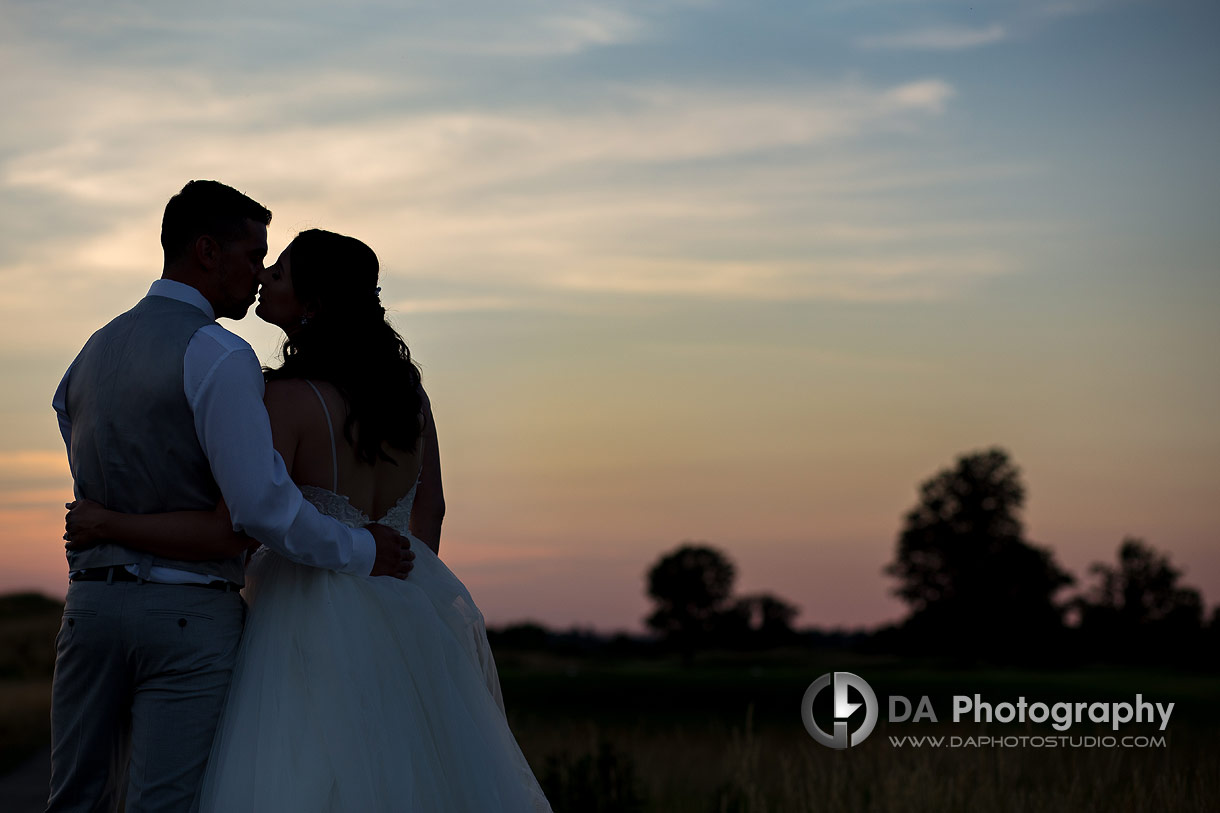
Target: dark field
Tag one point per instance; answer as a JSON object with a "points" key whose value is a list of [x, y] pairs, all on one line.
{"points": [[726, 735], [648, 734]]}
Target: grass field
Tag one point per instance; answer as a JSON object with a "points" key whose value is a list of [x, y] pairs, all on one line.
{"points": [[28, 625], [648, 734], [726, 735]]}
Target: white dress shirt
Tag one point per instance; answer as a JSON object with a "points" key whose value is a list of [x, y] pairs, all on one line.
{"points": [[223, 383]]}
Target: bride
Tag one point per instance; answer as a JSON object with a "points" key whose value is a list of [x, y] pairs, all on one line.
{"points": [[350, 693]]}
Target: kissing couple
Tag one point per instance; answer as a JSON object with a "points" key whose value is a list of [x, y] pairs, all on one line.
{"points": [[363, 679]]}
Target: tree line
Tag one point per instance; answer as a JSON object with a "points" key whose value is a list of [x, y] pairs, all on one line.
{"points": [[974, 585]]}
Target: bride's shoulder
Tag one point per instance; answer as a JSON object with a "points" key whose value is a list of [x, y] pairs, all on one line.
{"points": [[285, 390], [288, 399], [425, 408]]}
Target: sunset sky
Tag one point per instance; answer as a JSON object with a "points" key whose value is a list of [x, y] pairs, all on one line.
{"points": [[738, 272]]}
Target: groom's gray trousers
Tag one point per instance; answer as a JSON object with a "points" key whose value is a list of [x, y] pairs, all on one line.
{"points": [[140, 663]]}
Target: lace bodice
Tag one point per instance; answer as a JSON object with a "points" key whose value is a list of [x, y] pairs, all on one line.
{"points": [[340, 507]]}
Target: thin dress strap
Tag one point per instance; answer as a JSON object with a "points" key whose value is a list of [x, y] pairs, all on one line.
{"points": [[330, 429]]}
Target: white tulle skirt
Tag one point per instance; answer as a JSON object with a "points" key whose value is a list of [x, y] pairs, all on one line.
{"points": [[365, 694]]}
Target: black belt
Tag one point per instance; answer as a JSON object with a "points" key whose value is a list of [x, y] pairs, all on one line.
{"points": [[121, 574]]}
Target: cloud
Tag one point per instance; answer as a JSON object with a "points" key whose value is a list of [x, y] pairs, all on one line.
{"points": [[126, 145], [943, 38], [33, 464], [233, 36], [527, 193], [35, 497], [478, 197], [1069, 8], [564, 32], [458, 304], [929, 95], [879, 279]]}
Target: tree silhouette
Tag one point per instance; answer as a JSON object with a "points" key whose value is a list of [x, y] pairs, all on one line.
{"points": [[964, 567], [1138, 608], [690, 586], [759, 620]]}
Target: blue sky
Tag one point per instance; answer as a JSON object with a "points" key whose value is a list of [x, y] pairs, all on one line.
{"points": [[740, 272]]}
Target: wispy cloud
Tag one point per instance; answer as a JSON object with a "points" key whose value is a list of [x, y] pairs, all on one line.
{"points": [[33, 464], [473, 303], [929, 95], [880, 279], [478, 200], [541, 199], [566, 31], [453, 149], [943, 38], [35, 497], [1070, 8]]}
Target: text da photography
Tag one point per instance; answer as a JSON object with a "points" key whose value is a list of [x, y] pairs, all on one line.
{"points": [[852, 708]]}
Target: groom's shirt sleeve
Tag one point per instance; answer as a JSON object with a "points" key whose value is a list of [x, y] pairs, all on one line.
{"points": [[60, 404], [224, 386]]}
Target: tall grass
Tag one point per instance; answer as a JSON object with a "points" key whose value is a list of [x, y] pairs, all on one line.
{"points": [[25, 720], [28, 625], [646, 735], [719, 739], [752, 770]]}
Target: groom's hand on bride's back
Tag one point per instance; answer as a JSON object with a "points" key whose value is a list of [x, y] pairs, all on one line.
{"points": [[394, 554]]}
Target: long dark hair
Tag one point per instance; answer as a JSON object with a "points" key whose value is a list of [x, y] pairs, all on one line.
{"points": [[348, 343]]}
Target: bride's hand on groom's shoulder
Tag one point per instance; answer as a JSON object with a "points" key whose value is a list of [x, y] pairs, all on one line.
{"points": [[394, 554], [85, 524]]}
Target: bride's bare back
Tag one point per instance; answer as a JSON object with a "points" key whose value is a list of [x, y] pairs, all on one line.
{"points": [[299, 431]]}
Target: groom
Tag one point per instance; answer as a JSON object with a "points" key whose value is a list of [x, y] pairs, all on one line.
{"points": [[162, 411]]}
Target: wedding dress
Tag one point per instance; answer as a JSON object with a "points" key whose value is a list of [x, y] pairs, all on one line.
{"points": [[365, 694]]}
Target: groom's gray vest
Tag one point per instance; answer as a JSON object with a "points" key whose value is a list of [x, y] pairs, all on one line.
{"points": [[134, 448]]}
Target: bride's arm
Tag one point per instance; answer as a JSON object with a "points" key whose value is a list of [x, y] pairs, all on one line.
{"points": [[190, 536], [428, 510]]}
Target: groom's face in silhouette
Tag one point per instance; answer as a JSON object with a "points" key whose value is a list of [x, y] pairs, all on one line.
{"points": [[238, 264]]}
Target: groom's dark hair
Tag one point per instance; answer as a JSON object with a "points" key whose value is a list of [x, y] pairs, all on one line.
{"points": [[207, 207]]}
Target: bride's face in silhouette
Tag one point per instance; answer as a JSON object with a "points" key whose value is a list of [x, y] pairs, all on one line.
{"points": [[277, 299]]}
